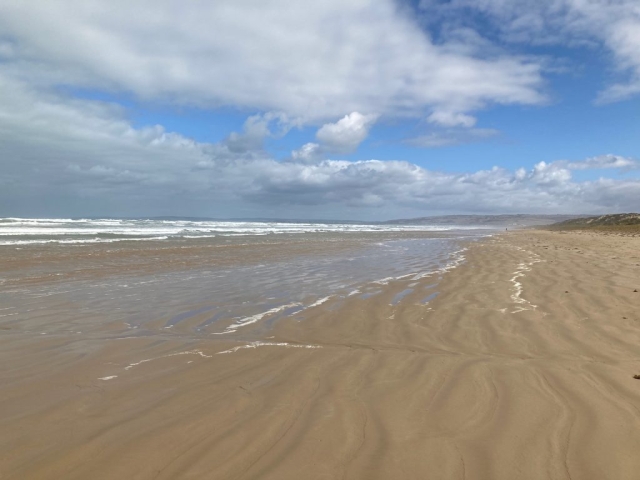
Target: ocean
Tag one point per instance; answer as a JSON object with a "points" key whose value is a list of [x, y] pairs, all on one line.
{"points": [[25, 231]]}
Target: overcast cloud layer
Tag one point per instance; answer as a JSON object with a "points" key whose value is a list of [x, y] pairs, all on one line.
{"points": [[338, 66], [314, 61]]}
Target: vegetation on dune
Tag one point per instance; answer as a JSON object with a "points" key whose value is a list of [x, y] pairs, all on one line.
{"points": [[618, 221]]}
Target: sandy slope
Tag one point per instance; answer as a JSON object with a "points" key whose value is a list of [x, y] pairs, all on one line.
{"points": [[522, 368]]}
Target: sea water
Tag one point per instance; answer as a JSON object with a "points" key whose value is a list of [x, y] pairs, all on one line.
{"points": [[187, 277]]}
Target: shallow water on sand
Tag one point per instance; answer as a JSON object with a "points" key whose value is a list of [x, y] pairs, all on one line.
{"points": [[206, 286]]}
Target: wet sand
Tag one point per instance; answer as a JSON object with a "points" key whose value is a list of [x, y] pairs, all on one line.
{"points": [[520, 368]]}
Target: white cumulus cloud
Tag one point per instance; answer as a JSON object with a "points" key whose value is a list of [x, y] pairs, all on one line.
{"points": [[314, 61], [346, 134], [343, 136]]}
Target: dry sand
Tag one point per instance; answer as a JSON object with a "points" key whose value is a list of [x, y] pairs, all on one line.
{"points": [[522, 368]]}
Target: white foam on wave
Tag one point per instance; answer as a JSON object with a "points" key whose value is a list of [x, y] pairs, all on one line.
{"points": [[188, 352], [76, 241], [255, 318], [384, 281], [522, 303], [268, 344], [457, 259], [320, 302], [259, 316], [70, 230], [387, 280]]}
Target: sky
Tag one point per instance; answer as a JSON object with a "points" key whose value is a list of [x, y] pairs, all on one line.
{"points": [[340, 109]]}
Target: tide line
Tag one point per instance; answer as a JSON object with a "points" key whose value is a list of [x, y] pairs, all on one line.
{"points": [[268, 344]]}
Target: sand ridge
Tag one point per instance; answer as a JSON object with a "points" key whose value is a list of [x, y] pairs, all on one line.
{"points": [[521, 368]]}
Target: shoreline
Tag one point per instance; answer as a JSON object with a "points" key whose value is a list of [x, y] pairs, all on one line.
{"points": [[521, 367]]}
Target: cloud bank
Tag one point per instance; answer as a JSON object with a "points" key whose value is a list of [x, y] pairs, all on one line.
{"points": [[66, 156]]}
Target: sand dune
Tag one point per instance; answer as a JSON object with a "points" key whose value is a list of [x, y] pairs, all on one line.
{"points": [[521, 368]]}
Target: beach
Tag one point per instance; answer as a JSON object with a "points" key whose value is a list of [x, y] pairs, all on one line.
{"points": [[512, 359]]}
